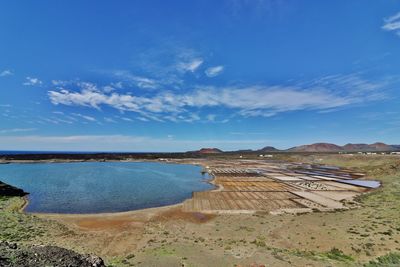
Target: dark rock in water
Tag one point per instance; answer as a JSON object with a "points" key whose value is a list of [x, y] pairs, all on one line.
{"points": [[11, 191], [38, 256]]}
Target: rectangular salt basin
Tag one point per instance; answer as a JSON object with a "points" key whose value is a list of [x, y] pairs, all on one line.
{"points": [[363, 183]]}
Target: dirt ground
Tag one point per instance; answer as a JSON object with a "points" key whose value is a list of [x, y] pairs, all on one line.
{"points": [[169, 237]]}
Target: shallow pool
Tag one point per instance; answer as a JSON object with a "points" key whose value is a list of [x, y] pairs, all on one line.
{"points": [[94, 187]]}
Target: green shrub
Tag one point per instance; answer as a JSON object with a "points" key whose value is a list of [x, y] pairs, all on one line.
{"points": [[389, 260]]}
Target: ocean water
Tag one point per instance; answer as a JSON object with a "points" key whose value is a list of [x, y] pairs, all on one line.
{"points": [[95, 187], [29, 152]]}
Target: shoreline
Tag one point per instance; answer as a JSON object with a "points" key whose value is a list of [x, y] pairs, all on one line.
{"points": [[105, 214], [24, 204]]}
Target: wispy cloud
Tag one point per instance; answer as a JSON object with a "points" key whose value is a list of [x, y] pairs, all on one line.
{"points": [[392, 23], [211, 117], [126, 119], [16, 130], [30, 81], [143, 119], [321, 94], [60, 82], [167, 65], [214, 71], [141, 82], [191, 66], [88, 118], [6, 73], [111, 120]]}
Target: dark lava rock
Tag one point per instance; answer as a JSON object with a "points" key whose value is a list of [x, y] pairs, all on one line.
{"points": [[38, 256], [11, 191]]}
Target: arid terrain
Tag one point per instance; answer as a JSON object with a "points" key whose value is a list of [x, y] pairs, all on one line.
{"points": [[364, 233]]}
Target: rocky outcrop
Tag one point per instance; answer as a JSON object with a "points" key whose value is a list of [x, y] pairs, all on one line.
{"points": [[15, 255], [11, 191]]}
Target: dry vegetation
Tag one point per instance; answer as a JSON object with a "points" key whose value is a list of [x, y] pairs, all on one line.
{"points": [[365, 236]]}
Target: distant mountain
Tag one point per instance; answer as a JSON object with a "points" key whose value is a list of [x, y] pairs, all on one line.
{"points": [[372, 147], [317, 147], [355, 147], [268, 149], [209, 151], [326, 147], [381, 147], [242, 151]]}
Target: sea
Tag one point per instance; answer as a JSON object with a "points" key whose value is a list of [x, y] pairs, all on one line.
{"points": [[27, 152]]}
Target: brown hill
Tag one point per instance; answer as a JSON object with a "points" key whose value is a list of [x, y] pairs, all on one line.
{"points": [[356, 147], [268, 149], [372, 147], [381, 147], [209, 151], [326, 147], [317, 147]]}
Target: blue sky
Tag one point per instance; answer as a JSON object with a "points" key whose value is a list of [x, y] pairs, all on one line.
{"points": [[180, 75]]}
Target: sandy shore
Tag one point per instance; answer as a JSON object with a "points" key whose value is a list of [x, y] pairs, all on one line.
{"points": [[149, 212]]}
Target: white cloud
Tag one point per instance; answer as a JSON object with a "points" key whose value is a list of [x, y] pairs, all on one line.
{"points": [[141, 82], [88, 118], [108, 88], [142, 119], [126, 119], [321, 94], [211, 117], [191, 66], [16, 130], [60, 82], [106, 119], [214, 71], [30, 81], [6, 73], [392, 23]]}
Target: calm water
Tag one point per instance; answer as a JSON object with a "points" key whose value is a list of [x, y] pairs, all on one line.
{"points": [[103, 186], [365, 183]]}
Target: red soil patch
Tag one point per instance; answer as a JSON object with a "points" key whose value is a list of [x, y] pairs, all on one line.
{"points": [[178, 214], [102, 224]]}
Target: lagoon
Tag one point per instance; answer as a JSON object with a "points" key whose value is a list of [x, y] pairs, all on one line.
{"points": [[97, 187]]}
